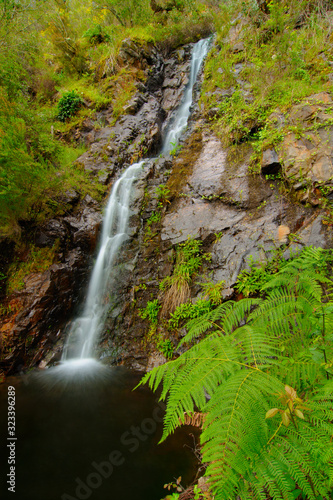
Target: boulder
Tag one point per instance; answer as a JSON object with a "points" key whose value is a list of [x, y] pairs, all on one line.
{"points": [[270, 162]]}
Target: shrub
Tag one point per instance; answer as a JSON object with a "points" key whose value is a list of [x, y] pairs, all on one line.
{"points": [[96, 35], [68, 105], [177, 287], [150, 311]]}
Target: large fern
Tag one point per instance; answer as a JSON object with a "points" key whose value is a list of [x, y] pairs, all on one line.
{"points": [[259, 357]]}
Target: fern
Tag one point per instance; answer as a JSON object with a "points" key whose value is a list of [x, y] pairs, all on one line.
{"points": [[257, 358]]}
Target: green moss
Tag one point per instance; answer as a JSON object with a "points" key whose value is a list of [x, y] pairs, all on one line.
{"points": [[38, 260], [183, 166]]}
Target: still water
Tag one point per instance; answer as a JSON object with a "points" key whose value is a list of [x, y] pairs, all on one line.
{"points": [[89, 435]]}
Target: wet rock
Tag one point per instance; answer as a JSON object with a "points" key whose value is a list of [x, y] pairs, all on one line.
{"points": [[46, 303], [135, 54], [85, 230], [135, 104], [215, 177], [155, 359], [50, 232], [270, 162]]}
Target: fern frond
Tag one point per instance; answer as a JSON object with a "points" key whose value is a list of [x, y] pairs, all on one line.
{"points": [[235, 428], [304, 273], [253, 351], [228, 315]]}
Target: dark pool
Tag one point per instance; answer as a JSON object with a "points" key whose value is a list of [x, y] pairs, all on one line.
{"points": [[83, 433]]}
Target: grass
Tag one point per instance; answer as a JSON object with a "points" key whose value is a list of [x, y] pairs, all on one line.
{"points": [[281, 63], [176, 287]]}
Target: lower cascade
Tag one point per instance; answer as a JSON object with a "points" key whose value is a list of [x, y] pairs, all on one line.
{"points": [[85, 330]]}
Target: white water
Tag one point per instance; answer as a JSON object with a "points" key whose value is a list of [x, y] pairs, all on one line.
{"points": [[86, 329], [178, 125]]}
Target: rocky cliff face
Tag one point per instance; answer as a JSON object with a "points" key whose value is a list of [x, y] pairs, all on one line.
{"points": [[237, 217], [211, 196], [38, 314]]}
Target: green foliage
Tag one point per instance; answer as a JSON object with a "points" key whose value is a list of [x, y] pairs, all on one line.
{"points": [[154, 218], [150, 311], [276, 68], [213, 291], [176, 287], [188, 260], [163, 194], [189, 311], [38, 261], [68, 105], [251, 281], [128, 13], [24, 166], [255, 362], [165, 346], [96, 35]]}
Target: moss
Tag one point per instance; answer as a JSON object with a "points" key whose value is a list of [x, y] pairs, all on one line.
{"points": [[183, 165], [37, 260]]}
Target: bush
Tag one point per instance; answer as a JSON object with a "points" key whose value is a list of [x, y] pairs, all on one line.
{"points": [[68, 105], [96, 35]]}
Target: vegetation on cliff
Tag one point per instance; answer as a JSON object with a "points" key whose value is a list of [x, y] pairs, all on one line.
{"points": [[265, 63], [67, 53]]}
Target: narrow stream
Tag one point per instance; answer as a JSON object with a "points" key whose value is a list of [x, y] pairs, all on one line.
{"points": [[81, 431]]}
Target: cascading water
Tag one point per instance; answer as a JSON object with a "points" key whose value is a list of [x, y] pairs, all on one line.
{"points": [[86, 329], [179, 123]]}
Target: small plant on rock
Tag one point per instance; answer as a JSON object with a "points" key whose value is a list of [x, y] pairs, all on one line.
{"points": [[165, 346], [162, 194], [150, 311], [177, 287], [68, 105]]}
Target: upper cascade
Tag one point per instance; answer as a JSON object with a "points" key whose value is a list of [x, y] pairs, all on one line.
{"points": [[179, 122]]}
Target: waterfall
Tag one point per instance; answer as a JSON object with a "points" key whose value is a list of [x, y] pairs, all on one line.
{"points": [[85, 330], [179, 123]]}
